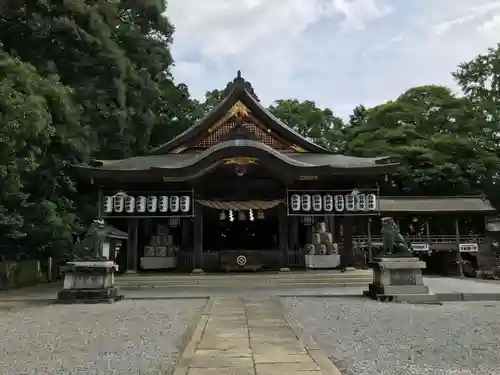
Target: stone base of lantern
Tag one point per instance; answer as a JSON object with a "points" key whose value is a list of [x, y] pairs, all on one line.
{"points": [[399, 279], [89, 282]]}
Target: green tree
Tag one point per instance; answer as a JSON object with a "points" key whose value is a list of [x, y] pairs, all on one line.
{"points": [[40, 137], [438, 137], [480, 81], [314, 123], [160, 109]]}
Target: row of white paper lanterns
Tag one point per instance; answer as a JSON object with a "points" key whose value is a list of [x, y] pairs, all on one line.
{"points": [[151, 204], [326, 203]]}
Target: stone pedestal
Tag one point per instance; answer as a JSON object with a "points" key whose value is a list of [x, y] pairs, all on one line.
{"points": [[399, 279], [89, 282]]}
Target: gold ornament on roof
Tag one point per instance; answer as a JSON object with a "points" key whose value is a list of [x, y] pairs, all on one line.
{"points": [[239, 110], [241, 160]]}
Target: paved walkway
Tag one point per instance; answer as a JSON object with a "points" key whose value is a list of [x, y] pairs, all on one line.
{"points": [[250, 336]]}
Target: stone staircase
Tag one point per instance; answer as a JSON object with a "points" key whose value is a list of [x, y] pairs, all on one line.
{"points": [[294, 279]]}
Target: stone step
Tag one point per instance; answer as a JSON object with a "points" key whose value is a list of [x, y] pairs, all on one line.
{"points": [[350, 278]]}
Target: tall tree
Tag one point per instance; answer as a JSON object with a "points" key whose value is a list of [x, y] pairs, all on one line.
{"points": [[439, 138], [317, 124], [160, 108], [39, 138], [480, 81]]}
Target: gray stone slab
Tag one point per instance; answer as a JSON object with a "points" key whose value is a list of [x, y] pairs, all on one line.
{"points": [[227, 334], [273, 368], [207, 361], [284, 358], [214, 342], [259, 347], [241, 351], [223, 371]]}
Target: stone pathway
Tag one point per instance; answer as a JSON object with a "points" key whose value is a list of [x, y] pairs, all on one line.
{"points": [[249, 336]]}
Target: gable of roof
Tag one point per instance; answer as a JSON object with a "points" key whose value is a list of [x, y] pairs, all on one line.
{"points": [[240, 98]]}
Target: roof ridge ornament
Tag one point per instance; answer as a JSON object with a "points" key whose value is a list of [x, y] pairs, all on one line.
{"points": [[239, 83]]}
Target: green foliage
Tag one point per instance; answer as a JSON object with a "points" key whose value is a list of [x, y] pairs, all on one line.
{"points": [[39, 137], [440, 139], [82, 78], [319, 125]]}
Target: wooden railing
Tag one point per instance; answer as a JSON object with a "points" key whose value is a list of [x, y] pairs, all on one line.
{"points": [[424, 239], [296, 259]]}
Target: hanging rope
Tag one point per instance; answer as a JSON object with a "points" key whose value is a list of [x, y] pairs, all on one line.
{"points": [[240, 205]]}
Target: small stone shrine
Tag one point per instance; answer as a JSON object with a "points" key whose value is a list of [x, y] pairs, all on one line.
{"points": [[397, 275], [321, 252], [89, 278]]}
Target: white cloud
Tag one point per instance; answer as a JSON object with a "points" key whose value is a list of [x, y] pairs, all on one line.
{"points": [[336, 52]]}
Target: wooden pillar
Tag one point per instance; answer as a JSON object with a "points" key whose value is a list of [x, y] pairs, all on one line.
{"points": [[293, 233], [198, 239], [459, 254], [369, 235], [346, 258], [283, 236], [427, 230], [132, 250]]}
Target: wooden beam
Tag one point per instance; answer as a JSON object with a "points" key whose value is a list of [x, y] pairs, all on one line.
{"points": [[459, 254], [283, 234], [198, 238], [132, 243]]}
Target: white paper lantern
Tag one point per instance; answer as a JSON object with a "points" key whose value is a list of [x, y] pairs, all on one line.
{"points": [[174, 203], [140, 204], [339, 203], [328, 203], [129, 204], [350, 202], [361, 202], [118, 203], [371, 202], [295, 202], [107, 204], [317, 202], [152, 203], [305, 202], [185, 201], [163, 204]]}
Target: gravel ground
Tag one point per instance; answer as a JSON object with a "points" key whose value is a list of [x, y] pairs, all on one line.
{"points": [[365, 337], [128, 337]]}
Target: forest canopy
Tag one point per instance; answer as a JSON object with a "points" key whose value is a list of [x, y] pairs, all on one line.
{"points": [[82, 79]]}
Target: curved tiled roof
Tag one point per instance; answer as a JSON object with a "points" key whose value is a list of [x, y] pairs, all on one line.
{"points": [[180, 161]]}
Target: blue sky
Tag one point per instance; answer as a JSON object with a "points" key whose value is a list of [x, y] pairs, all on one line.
{"points": [[339, 53]]}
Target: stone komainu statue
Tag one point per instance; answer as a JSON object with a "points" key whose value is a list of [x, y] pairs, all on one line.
{"points": [[90, 247], [394, 243]]}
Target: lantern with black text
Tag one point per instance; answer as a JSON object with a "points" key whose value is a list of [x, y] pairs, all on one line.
{"points": [[339, 203], [371, 202], [328, 203], [174, 203], [152, 203], [140, 204], [305, 202], [361, 202], [184, 203], [317, 202], [350, 202], [129, 204], [295, 202], [108, 204], [118, 203], [163, 204]]}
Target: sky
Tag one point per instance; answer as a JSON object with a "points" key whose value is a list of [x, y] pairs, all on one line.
{"points": [[338, 53]]}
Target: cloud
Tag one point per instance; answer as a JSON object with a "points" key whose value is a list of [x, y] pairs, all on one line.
{"points": [[335, 52]]}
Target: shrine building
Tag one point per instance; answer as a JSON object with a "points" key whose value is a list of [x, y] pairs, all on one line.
{"points": [[242, 190]]}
